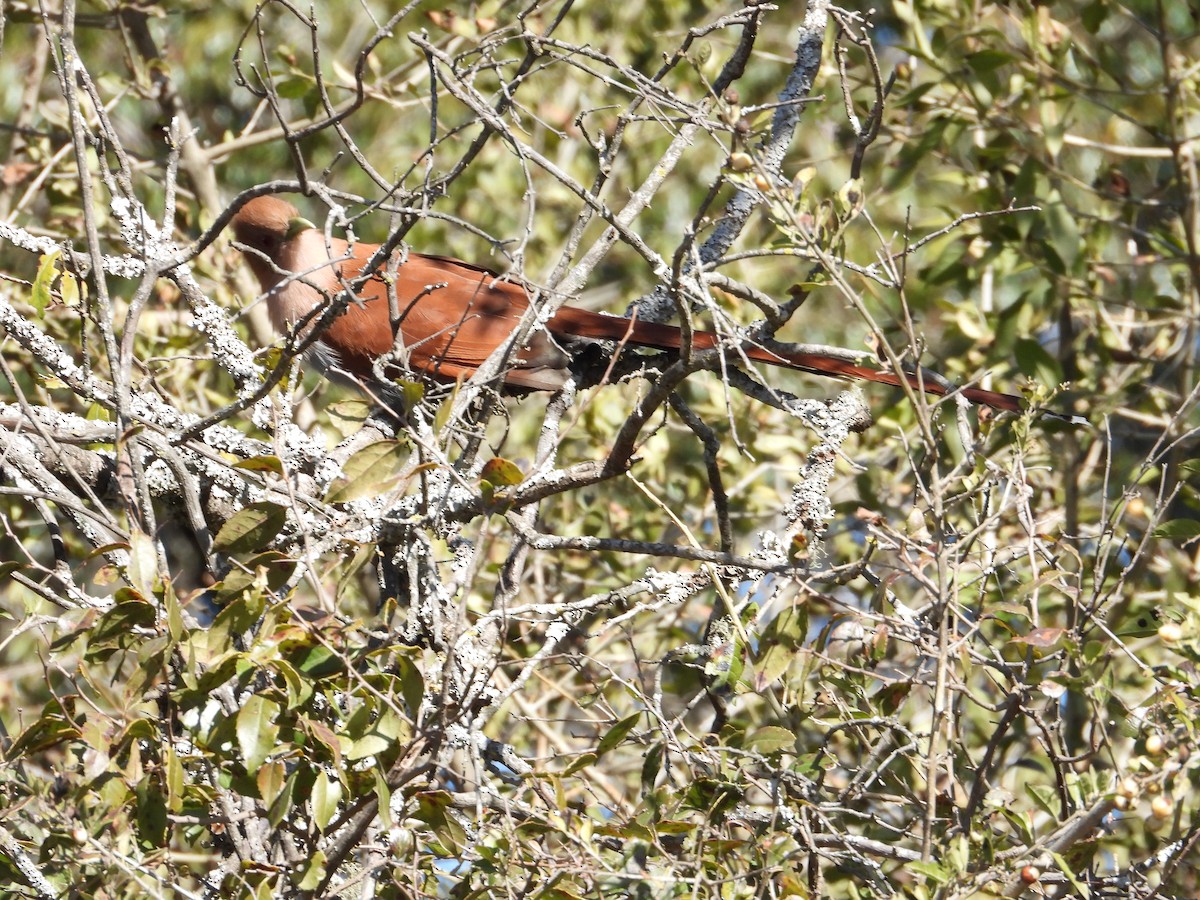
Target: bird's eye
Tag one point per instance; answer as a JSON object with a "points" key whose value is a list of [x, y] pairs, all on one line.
{"points": [[264, 242]]}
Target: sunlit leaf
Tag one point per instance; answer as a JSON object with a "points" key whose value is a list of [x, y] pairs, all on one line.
{"points": [[257, 730], [143, 562], [373, 470], [312, 872], [326, 794], [501, 472], [261, 464], [39, 296]]}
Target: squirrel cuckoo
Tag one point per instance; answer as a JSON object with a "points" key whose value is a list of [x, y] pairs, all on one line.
{"points": [[453, 314]]}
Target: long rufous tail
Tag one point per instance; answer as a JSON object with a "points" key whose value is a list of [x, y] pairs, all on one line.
{"points": [[583, 323]]}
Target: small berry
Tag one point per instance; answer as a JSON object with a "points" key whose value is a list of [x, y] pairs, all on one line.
{"points": [[1162, 806], [1170, 632]]}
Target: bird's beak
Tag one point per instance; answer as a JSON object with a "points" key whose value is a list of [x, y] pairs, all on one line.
{"points": [[297, 224]]}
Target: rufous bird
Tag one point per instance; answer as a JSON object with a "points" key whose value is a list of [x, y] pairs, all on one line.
{"points": [[453, 315]]}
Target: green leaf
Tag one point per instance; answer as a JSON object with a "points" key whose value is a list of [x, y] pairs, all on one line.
{"points": [[1020, 822], [282, 808], [271, 568], [412, 684], [1052, 126], [348, 574], [771, 739], [713, 796], [297, 87], [651, 766], [930, 870], [235, 619], [1033, 360], [383, 797], [617, 734], [411, 393], [299, 689], [151, 816], [173, 779], [1178, 530], [380, 735], [313, 872], [369, 472], [1062, 233], [121, 624], [775, 661], [989, 59], [196, 695], [251, 529], [582, 761], [314, 660], [958, 854], [175, 626], [49, 731], [790, 626], [1141, 624], [257, 731], [1067, 868], [1093, 15], [1044, 797], [324, 800], [431, 809], [348, 416]]}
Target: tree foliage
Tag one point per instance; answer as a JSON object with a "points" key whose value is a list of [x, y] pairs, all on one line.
{"points": [[702, 630]]}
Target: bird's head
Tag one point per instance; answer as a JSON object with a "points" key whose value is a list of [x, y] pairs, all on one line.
{"points": [[266, 225]]}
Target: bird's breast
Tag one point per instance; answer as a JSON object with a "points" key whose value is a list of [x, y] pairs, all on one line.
{"points": [[290, 303]]}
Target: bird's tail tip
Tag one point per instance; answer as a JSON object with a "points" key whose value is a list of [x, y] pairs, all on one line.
{"points": [[1064, 417]]}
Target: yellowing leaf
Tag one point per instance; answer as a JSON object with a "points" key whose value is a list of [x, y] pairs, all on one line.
{"points": [[370, 471], [39, 297], [501, 472], [68, 289], [1041, 638], [143, 562], [270, 780], [261, 464]]}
